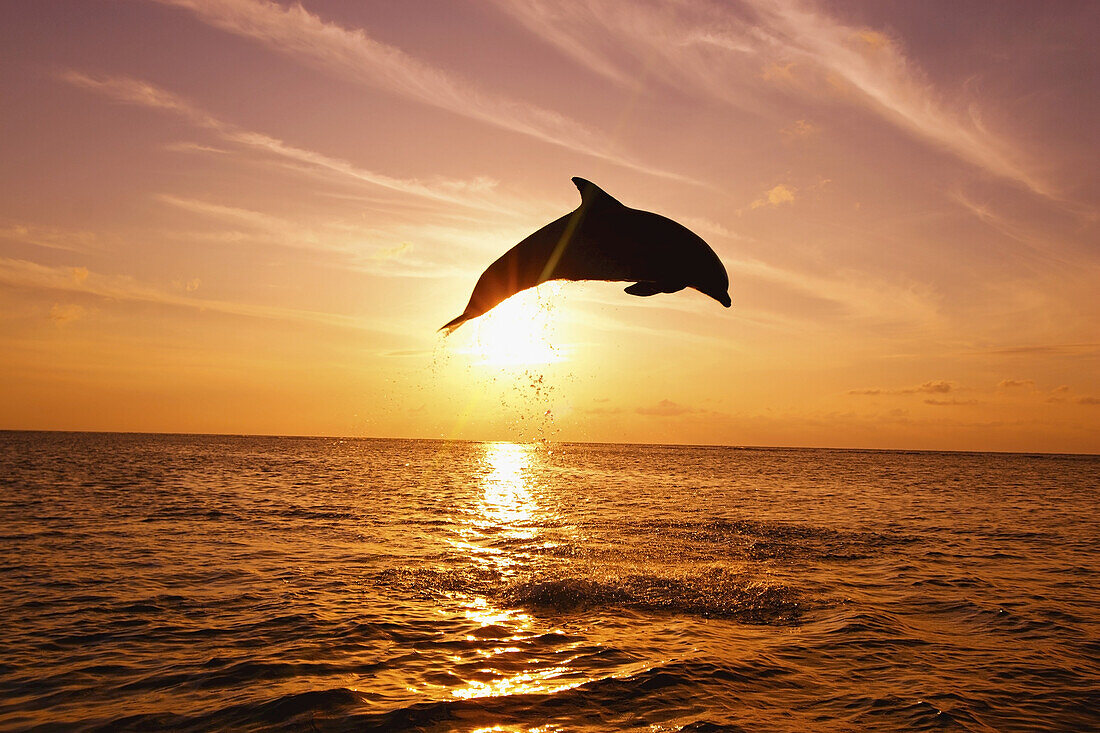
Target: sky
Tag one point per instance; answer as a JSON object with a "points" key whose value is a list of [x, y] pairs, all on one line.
{"points": [[249, 216]]}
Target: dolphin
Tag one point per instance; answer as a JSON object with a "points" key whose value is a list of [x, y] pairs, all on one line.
{"points": [[603, 240]]}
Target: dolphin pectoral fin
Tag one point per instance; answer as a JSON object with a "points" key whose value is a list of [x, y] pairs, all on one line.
{"points": [[647, 287], [643, 289]]}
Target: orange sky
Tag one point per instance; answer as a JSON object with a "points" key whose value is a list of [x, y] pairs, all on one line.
{"points": [[247, 216]]}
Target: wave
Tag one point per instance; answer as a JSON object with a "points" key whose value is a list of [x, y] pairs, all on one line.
{"points": [[296, 711], [603, 702], [715, 592]]}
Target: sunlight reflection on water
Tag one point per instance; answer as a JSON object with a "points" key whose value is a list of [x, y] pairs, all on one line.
{"points": [[507, 499], [506, 511]]}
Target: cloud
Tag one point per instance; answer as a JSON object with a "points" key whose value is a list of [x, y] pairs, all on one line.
{"points": [[1042, 245], [189, 147], [1044, 349], [777, 72], [404, 353], [710, 48], [930, 387], [681, 44], [49, 237], [1014, 383], [66, 313], [799, 130], [869, 299], [939, 387], [666, 408], [141, 93], [604, 411], [781, 194], [471, 193], [33, 276], [1088, 400], [708, 227], [944, 403], [354, 56], [383, 250], [245, 217], [392, 253], [478, 193], [887, 82], [1058, 394], [874, 40]]}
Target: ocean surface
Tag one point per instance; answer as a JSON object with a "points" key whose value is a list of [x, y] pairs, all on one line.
{"points": [[209, 583]]}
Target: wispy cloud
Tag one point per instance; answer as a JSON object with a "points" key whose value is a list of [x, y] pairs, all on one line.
{"points": [[937, 386], [62, 313], [474, 193], [396, 249], [50, 237], [687, 44], [245, 217], [869, 299], [858, 298], [718, 50], [1044, 245], [79, 280], [353, 55], [1043, 350], [874, 66]]}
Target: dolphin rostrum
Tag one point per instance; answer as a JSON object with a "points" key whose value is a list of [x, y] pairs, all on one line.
{"points": [[603, 240]]}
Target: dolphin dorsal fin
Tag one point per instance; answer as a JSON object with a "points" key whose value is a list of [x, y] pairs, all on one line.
{"points": [[593, 194]]}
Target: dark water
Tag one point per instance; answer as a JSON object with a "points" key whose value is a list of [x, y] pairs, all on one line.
{"points": [[194, 582]]}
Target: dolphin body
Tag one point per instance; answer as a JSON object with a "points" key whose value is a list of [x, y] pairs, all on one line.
{"points": [[603, 240]]}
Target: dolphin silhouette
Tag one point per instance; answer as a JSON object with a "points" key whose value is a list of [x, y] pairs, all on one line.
{"points": [[603, 240]]}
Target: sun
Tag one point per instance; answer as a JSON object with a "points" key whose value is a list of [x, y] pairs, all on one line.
{"points": [[520, 331]]}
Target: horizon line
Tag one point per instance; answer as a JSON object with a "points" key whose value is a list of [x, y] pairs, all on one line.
{"points": [[739, 446]]}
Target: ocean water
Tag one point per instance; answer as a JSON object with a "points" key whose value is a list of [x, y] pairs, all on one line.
{"points": [[249, 583]]}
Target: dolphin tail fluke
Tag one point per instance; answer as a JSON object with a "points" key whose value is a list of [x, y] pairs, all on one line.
{"points": [[450, 326]]}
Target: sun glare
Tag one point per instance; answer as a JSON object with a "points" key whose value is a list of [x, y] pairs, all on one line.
{"points": [[520, 331]]}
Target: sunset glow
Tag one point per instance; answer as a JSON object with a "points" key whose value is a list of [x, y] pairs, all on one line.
{"points": [[521, 331], [261, 229]]}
